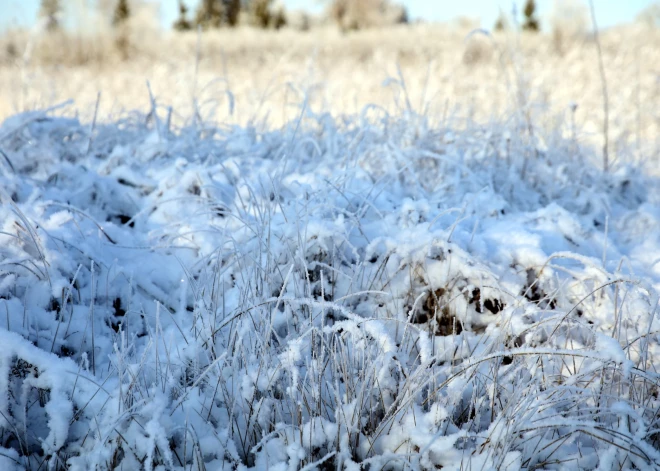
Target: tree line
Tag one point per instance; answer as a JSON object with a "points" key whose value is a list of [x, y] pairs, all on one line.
{"points": [[212, 14]]}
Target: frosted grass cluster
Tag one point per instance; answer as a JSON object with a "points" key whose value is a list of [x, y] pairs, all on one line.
{"points": [[367, 292]]}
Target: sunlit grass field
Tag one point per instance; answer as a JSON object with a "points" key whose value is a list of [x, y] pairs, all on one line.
{"points": [[450, 74]]}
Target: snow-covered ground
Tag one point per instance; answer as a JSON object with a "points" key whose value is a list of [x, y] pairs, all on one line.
{"points": [[358, 293]]}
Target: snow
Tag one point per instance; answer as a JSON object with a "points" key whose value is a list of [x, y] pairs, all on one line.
{"points": [[335, 293]]}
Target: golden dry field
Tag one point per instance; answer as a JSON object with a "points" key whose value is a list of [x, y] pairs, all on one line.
{"points": [[448, 73]]}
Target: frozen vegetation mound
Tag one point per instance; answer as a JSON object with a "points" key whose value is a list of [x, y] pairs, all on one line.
{"points": [[359, 293]]}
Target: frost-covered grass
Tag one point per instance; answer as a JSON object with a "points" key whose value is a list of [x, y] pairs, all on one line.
{"points": [[452, 73], [359, 292]]}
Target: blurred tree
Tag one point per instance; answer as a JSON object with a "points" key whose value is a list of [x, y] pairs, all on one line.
{"points": [[218, 13], [531, 22], [279, 18], [233, 10], [122, 13], [50, 10], [502, 24], [259, 11], [182, 23], [359, 14], [210, 14], [119, 20]]}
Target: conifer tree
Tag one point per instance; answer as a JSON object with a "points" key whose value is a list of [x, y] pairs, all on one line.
{"points": [[531, 23], [122, 13], [119, 20], [232, 10], [501, 24], [182, 24]]}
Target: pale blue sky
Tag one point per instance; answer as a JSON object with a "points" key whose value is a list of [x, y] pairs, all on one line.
{"points": [[608, 12]]}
